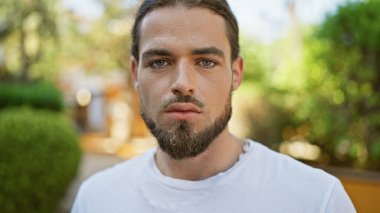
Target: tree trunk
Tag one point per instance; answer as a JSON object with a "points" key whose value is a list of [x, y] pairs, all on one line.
{"points": [[25, 60]]}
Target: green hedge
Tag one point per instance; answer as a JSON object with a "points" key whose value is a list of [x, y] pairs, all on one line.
{"points": [[39, 157], [35, 94]]}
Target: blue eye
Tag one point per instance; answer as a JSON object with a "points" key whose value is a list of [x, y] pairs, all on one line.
{"points": [[159, 64], [207, 63]]}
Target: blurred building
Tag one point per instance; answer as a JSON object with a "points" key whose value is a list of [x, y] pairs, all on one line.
{"points": [[105, 109]]}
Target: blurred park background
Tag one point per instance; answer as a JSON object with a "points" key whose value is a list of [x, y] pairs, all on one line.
{"points": [[68, 108]]}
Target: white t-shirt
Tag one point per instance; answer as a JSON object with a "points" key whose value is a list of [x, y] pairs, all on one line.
{"points": [[261, 181]]}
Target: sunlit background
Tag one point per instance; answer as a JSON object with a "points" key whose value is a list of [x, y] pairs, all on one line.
{"points": [[68, 105]]}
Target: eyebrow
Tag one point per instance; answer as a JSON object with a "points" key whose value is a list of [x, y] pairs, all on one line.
{"points": [[156, 52], [208, 51], [199, 51]]}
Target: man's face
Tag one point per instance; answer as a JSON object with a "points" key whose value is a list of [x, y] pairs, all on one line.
{"points": [[185, 78]]}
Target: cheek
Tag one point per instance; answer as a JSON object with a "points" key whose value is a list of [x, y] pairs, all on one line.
{"points": [[150, 95], [216, 82], [216, 94], [147, 97]]}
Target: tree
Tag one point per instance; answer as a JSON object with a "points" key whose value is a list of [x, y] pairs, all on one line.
{"points": [[343, 84], [25, 28]]}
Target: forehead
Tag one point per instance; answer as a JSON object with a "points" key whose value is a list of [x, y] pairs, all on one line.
{"points": [[182, 28]]}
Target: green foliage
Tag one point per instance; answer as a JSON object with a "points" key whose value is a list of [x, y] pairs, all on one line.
{"points": [[101, 45], [356, 25], [270, 92], [37, 95], [28, 36], [342, 106], [324, 88], [265, 119], [39, 157], [255, 70]]}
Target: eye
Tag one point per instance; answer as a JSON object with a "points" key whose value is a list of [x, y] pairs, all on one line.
{"points": [[158, 64], [207, 63]]}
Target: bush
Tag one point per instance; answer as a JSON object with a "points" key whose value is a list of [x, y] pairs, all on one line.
{"points": [[35, 94], [39, 157], [342, 105]]}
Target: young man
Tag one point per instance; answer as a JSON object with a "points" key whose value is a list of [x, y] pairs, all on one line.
{"points": [[186, 65]]}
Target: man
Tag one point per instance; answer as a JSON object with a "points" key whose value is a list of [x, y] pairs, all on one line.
{"points": [[186, 65]]}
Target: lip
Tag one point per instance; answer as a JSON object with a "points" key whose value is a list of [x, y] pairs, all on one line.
{"points": [[183, 107], [182, 111]]}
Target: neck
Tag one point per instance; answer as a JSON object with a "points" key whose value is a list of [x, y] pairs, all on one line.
{"points": [[222, 154]]}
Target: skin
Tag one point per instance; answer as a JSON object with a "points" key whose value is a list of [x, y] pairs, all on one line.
{"points": [[186, 51]]}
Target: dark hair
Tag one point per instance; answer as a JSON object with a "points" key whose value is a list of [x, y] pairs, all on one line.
{"points": [[219, 7]]}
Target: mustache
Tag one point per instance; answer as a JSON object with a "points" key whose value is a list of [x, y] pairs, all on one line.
{"points": [[182, 99]]}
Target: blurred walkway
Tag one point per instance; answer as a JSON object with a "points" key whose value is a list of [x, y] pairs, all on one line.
{"points": [[100, 153]]}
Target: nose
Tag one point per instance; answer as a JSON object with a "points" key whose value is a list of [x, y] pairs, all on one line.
{"points": [[183, 83]]}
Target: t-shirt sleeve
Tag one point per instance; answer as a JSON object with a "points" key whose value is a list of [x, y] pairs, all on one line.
{"points": [[339, 201], [76, 206]]}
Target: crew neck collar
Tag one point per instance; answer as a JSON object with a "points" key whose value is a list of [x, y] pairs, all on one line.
{"points": [[220, 178]]}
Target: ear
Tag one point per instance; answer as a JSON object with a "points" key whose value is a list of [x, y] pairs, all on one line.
{"points": [[237, 72], [133, 66]]}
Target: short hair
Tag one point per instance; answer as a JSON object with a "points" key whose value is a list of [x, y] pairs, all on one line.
{"points": [[220, 7]]}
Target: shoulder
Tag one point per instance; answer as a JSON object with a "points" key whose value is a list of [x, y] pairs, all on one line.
{"points": [[287, 167], [120, 172], [285, 177], [120, 178]]}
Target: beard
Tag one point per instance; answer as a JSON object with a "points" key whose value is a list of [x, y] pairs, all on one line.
{"points": [[180, 141]]}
